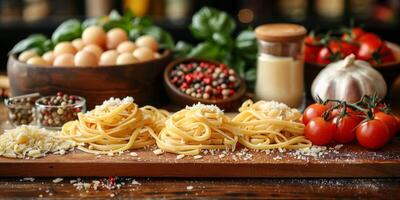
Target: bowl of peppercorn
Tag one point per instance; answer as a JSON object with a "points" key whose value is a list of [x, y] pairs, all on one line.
{"points": [[190, 80], [54, 111]]}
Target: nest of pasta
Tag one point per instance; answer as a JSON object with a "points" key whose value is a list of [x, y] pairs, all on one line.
{"points": [[115, 126], [196, 128]]}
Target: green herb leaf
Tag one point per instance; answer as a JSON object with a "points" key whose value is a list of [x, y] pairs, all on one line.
{"points": [[67, 31], [90, 22], [114, 15], [207, 21], [33, 41], [182, 49], [251, 75], [205, 50], [246, 44], [123, 24]]}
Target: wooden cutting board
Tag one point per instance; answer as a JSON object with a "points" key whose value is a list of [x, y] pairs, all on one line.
{"points": [[348, 161]]}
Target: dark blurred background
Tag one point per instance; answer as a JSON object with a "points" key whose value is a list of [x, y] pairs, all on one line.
{"points": [[20, 18]]}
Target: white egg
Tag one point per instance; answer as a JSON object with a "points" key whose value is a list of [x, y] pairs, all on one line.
{"points": [[49, 57], [85, 59], [147, 41], [37, 61], [126, 46], [24, 56], [64, 60], [115, 36], [94, 49], [78, 44], [94, 35], [143, 54], [64, 47], [126, 58], [108, 58]]}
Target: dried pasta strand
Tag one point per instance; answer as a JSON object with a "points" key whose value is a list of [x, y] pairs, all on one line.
{"points": [[270, 125], [195, 128], [115, 126]]}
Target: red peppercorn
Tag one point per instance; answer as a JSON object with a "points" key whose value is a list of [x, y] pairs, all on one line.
{"points": [[184, 85], [188, 78], [207, 80]]}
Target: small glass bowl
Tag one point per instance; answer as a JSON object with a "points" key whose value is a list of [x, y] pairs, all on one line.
{"points": [[21, 110], [55, 116]]}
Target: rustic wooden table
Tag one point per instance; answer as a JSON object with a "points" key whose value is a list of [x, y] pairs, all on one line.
{"points": [[213, 188]]}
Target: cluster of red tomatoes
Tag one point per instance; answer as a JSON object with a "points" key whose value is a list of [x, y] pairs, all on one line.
{"points": [[344, 123], [366, 46]]}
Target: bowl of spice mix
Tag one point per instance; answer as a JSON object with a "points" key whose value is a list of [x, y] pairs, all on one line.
{"points": [[189, 81], [54, 111]]}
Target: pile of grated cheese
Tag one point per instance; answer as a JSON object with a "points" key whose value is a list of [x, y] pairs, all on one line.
{"points": [[211, 107], [32, 141]]}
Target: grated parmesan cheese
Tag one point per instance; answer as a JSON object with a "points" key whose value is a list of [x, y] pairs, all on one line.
{"points": [[32, 141], [212, 108], [116, 102]]}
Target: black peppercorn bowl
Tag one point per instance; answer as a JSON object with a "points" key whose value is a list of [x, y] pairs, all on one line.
{"points": [[54, 116], [181, 99]]}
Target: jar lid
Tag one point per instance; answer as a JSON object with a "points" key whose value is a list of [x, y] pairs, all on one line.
{"points": [[280, 32]]}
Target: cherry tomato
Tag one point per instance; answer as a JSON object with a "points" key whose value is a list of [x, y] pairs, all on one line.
{"points": [[398, 122], [319, 131], [375, 51], [311, 40], [356, 115], [343, 48], [367, 37], [346, 129], [311, 48], [325, 56], [389, 120], [312, 111], [372, 134], [311, 52], [353, 35], [378, 108]]}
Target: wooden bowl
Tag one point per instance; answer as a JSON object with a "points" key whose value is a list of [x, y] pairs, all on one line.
{"points": [[141, 80], [181, 99], [389, 71]]}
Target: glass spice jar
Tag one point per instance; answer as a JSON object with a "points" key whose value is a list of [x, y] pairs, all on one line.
{"points": [[21, 109], [53, 112], [280, 64]]}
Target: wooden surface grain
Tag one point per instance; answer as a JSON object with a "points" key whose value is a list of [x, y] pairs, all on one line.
{"points": [[201, 188], [350, 161]]}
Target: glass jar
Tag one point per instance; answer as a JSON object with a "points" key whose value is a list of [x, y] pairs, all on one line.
{"points": [[21, 109], [52, 112], [280, 64]]}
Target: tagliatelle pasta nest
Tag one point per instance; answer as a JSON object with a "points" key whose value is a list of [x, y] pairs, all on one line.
{"points": [[270, 125], [195, 128], [115, 126]]}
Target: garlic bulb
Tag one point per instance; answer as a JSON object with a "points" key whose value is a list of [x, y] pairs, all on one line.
{"points": [[349, 80]]}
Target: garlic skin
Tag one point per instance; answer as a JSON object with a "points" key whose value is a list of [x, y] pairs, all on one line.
{"points": [[349, 80]]}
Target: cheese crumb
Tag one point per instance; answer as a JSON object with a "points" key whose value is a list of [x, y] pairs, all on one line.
{"points": [[180, 156], [198, 157], [57, 180], [189, 187], [158, 151], [133, 154]]}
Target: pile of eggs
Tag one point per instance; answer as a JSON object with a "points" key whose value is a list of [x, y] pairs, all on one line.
{"points": [[96, 48]]}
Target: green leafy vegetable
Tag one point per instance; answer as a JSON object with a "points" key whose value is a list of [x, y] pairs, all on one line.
{"points": [[67, 31], [214, 28], [208, 21], [33, 41]]}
